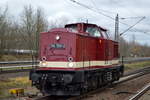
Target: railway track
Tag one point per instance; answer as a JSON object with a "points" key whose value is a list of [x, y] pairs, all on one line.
{"points": [[17, 68], [140, 93], [136, 71], [131, 76]]}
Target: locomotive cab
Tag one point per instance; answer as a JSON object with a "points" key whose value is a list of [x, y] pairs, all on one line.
{"points": [[76, 59], [88, 29]]}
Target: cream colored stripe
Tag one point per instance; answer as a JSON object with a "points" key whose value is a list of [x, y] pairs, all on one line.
{"points": [[78, 64]]}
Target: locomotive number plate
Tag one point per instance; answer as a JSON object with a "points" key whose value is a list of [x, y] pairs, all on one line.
{"points": [[57, 46]]}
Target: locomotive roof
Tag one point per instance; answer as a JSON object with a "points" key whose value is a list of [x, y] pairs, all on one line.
{"points": [[87, 24]]}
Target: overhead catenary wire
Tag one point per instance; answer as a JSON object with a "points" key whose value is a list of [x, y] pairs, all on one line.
{"points": [[85, 6], [132, 26], [132, 17], [123, 18], [131, 12], [116, 2], [106, 11]]}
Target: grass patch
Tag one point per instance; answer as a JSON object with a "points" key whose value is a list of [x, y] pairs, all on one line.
{"points": [[19, 82], [137, 65]]}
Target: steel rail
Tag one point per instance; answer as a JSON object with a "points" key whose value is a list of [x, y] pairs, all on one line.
{"points": [[18, 62], [140, 93], [132, 60], [19, 66], [136, 71], [14, 69], [131, 77]]}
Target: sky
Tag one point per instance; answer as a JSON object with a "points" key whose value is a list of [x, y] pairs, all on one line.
{"points": [[131, 10]]}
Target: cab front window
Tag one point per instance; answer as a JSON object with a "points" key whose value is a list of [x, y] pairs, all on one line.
{"points": [[93, 31], [72, 28]]}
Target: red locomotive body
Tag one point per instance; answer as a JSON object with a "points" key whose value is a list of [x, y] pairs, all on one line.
{"points": [[76, 59]]}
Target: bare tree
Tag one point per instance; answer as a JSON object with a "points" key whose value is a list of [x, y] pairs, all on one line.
{"points": [[32, 24], [28, 26], [4, 28], [40, 26]]}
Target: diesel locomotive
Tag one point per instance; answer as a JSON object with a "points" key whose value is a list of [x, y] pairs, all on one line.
{"points": [[76, 59]]}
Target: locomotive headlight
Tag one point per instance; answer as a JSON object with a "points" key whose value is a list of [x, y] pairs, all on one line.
{"points": [[44, 64], [57, 37], [70, 64]]}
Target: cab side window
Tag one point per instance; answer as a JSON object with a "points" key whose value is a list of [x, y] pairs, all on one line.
{"points": [[105, 35], [93, 31]]}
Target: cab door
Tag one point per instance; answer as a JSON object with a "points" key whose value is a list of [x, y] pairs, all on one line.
{"points": [[106, 47]]}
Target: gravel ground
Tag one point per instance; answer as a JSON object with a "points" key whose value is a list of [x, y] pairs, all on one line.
{"points": [[122, 91]]}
